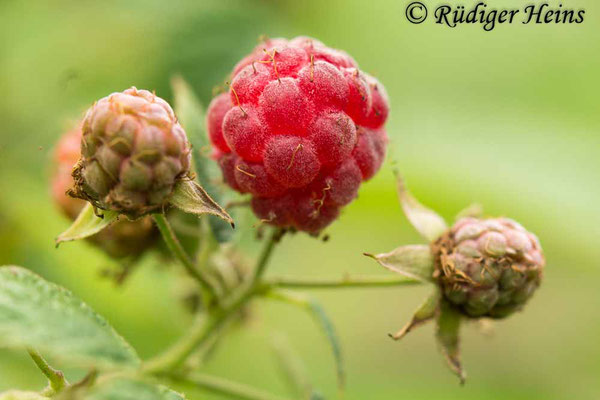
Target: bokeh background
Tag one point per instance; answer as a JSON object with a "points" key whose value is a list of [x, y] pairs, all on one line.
{"points": [[507, 118]]}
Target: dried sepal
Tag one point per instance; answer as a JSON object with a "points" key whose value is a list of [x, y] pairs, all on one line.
{"points": [[448, 325], [414, 261], [190, 197], [426, 221], [423, 314], [88, 223]]}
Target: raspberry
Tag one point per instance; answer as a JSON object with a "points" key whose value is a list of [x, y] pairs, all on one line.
{"points": [[300, 128], [488, 267], [121, 239], [133, 153]]}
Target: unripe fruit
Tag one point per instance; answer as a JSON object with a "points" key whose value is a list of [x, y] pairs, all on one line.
{"points": [[299, 129], [121, 239], [133, 153], [488, 267]]}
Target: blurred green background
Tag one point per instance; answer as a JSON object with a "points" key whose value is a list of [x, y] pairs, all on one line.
{"points": [[507, 118]]}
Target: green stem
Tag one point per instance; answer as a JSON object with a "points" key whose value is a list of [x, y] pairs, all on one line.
{"points": [[180, 351], [176, 355], [232, 390], [177, 249], [344, 282], [55, 377], [266, 253]]}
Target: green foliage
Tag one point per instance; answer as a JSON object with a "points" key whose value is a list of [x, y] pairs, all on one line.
{"points": [[39, 314], [191, 115], [323, 321], [20, 395]]}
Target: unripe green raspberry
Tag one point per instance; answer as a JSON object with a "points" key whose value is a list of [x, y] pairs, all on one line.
{"points": [[133, 152], [488, 267]]}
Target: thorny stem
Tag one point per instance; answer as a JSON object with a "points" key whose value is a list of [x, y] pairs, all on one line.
{"points": [[202, 331], [344, 282], [55, 377], [175, 247], [224, 387]]}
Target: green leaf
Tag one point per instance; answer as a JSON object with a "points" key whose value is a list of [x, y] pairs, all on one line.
{"points": [[36, 313], [131, 389], [292, 368], [322, 319], [87, 224], [474, 210], [426, 221], [19, 395], [425, 312], [192, 198], [414, 261], [448, 325], [191, 115]]}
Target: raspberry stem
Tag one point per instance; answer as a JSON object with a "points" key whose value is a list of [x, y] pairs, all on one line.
{"points": [[176, 248], [343, 282], [56, 378], [224, 387]]}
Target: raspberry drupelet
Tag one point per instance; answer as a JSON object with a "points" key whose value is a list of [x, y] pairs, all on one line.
{"points": [[299, 129]]}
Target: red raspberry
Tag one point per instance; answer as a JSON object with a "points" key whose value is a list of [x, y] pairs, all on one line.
{"points": [[300, 128]]}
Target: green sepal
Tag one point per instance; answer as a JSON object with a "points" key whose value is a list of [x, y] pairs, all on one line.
{"points": [[447, 334], [426, 221], [413, 261], [424, 313], [87, 224], [474, 210], [190, 197]]}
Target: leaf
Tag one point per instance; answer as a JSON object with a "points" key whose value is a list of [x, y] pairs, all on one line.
{"points": [[448, 325], [192, 198], [19, 395], [39, 314], [474, 210], [87, 224], [322, 319], [425, 312], [413, 261], [292, 367], [426, 221], [131, 389], [191, 115]]}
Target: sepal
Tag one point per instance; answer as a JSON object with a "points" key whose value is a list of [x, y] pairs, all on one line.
{"points": [[447, 334], [426, 221], [414, 261], [87, 224], [190, 197], [423, 314], [474, 210]]}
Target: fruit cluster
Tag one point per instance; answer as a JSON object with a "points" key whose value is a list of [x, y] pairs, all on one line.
{"points": [[299, 129], [133, 152], [488, 267]]}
